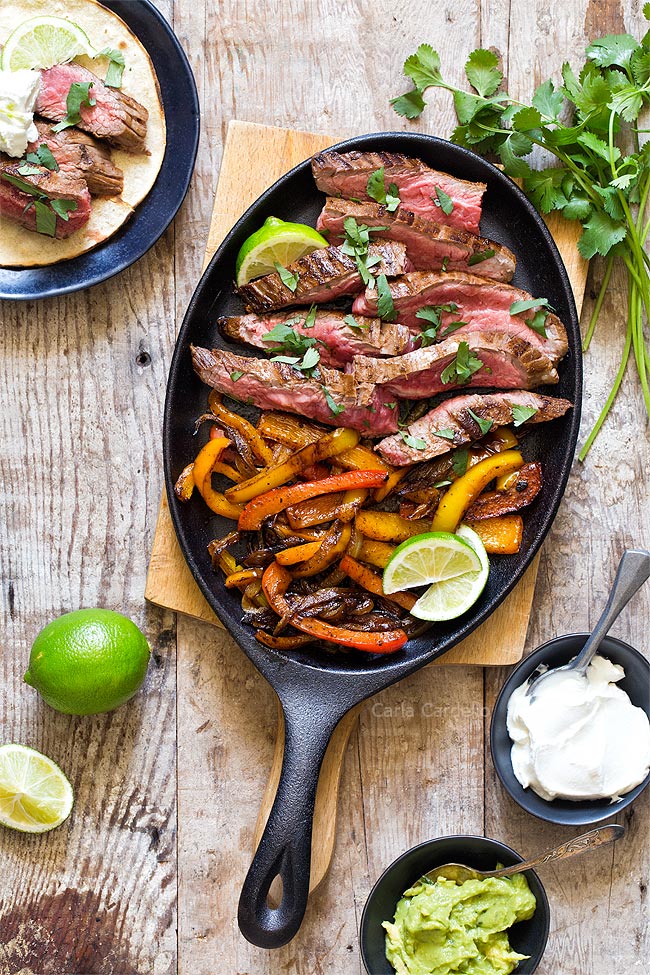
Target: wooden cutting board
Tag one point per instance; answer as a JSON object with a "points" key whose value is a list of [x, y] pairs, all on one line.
{"points": [[254, 157]]}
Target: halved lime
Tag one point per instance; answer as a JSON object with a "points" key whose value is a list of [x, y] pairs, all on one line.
{"points": [[35, 795], [43, 41], [455, 567], [276, 242]]}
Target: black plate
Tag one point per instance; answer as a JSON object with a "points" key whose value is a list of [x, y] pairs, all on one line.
{"points": [[317, 687], [152, 217]]}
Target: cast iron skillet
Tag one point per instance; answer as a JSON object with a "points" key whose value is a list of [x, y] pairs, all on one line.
{"points": [[316, 688]]}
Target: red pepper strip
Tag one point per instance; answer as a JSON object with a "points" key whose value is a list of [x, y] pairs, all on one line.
{"points": [[276, 581], [372, 582], [280, 498]]}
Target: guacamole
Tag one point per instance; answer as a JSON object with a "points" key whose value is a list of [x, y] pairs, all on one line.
{"points": [[445, 928]]}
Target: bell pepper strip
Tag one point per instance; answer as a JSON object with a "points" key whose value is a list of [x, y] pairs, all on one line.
{"points": [[394, 477], [352, 500], [288, 430], [505, 437], [242, 578], [494, 504], [228, 471], [369, 580], [298, 553], [457, 499], [385, 526], [226, 562], [185, 483], [207, 457], [375, 553], [506, 481], [276, 581], [272, 477], [502, 535], [283, 642], [316, 511], [280, 498], [334, 544], [239, 423]]}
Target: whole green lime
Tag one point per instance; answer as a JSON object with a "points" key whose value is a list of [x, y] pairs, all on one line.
{"points": [[88, 661]]}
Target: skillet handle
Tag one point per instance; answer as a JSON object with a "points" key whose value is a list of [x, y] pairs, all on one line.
{"points": [[284, 850]]}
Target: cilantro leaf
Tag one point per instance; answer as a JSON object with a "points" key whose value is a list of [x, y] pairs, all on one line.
{"points": [[446, 434], [459, 461], [548, 101], [481, 256], [288, 279], [415, 443], [443, 200], [612, 49], [78, 98], [600, 234], [115, 70], [235, 375], [423, 67], [385, 306], [522, 413], [482, 72], [640, 66], [335, 407], [409, 105], [518, 306], [43, 157], [45, 219], [376, 190], [462, 367], [63, 208], [310, 320], [310, 360], [286, 338], [483, 425], [450, 329], [544, 187], [27, 170], [354, 323], [22, 185]]}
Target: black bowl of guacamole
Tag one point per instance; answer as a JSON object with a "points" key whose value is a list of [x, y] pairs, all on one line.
{"points": [[526, 937]]}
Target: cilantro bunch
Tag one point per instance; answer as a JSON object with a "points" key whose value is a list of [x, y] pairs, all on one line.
{"points": [[590, 124]]}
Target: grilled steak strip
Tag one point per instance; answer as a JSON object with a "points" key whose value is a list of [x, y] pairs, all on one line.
{"points": [[80, 154], [116, 117], [346, 174], [428, 245], [454, 415], [18, 205], [338, 342], [508, 363], [483, 304], [495, 504], [323, 275], [277, 385]]}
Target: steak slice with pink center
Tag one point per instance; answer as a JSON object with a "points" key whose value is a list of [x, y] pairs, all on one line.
{"points": [[19, 205], [495, 359], [79, 154], [484, 305], [454, 420], [429, 246], [346, 174], [336, 339], [323, 275], [116, 117], [331, 398]]}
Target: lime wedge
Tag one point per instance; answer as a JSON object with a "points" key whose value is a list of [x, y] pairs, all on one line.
{"points": [[35, 795], [455, 567], [43, 41], [276, 242]]}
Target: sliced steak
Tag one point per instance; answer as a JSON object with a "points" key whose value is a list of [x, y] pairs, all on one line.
{"points": [[454, 414], [323, 275], [337, 341], [483, 304], [346, 174], [116, 117], [18, 205], [278, 386], [80, 154], [429, 245], [508, 363]]}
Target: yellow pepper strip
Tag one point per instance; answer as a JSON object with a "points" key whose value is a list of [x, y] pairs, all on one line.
{"points": [[185, 484], [288, 430], [243, 578], [375, 553], [298, 553], [202, 473], [385, 526], [501, 535], [334, 544], [506, 481], [457, 498], [505, 436], [228, 564], [393, 480], [247, 430], [228, 471], [272, 477], [351, 501]]}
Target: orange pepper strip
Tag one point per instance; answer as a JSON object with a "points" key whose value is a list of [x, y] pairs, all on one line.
{"points": [[276, 581], [501, 535], [247, 430], [242, 578], [203, 466], [280, 498], [298, 553], [372, 582], [376, 553]]}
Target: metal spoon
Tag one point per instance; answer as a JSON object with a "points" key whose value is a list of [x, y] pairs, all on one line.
{"points": [[632, 572], [580, 844]]}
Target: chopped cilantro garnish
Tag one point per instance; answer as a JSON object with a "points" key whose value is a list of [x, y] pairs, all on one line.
{"points": [[481, 256], [446, 434], [443, 200], [445, 262], [335, 408], [115, 70], [459, 461], [43, 157], [235, 375], [484, 425], [284, 337], [415, 443], [462, 367], [288, 279], [310, 320], [354, 323], [376, 190], [522, 413], [385, 306], [46, 210], [78, 98]]}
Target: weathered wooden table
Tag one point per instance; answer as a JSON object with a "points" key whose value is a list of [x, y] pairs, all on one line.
{"points": [[145, 877]]}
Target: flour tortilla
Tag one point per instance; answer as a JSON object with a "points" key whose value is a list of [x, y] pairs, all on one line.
{"points": [[24, 248]]}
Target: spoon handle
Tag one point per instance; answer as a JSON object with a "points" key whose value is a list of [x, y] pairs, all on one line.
{"points": [[633, 570], [579, 844]]}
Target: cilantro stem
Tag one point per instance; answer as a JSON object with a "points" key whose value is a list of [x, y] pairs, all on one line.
{"points": [[599, 304]]}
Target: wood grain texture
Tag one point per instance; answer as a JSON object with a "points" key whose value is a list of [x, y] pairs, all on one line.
{"points": [[81, 475]]}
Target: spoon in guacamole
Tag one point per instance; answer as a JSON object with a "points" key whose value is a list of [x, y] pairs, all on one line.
{"points": [[459, 873]]}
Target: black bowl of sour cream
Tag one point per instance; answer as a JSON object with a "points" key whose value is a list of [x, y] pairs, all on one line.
{"points": [[635, 683], [526, 937]]}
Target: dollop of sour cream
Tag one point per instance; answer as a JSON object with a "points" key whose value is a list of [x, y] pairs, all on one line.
{"points": [[579, 737], [18, 94]]}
